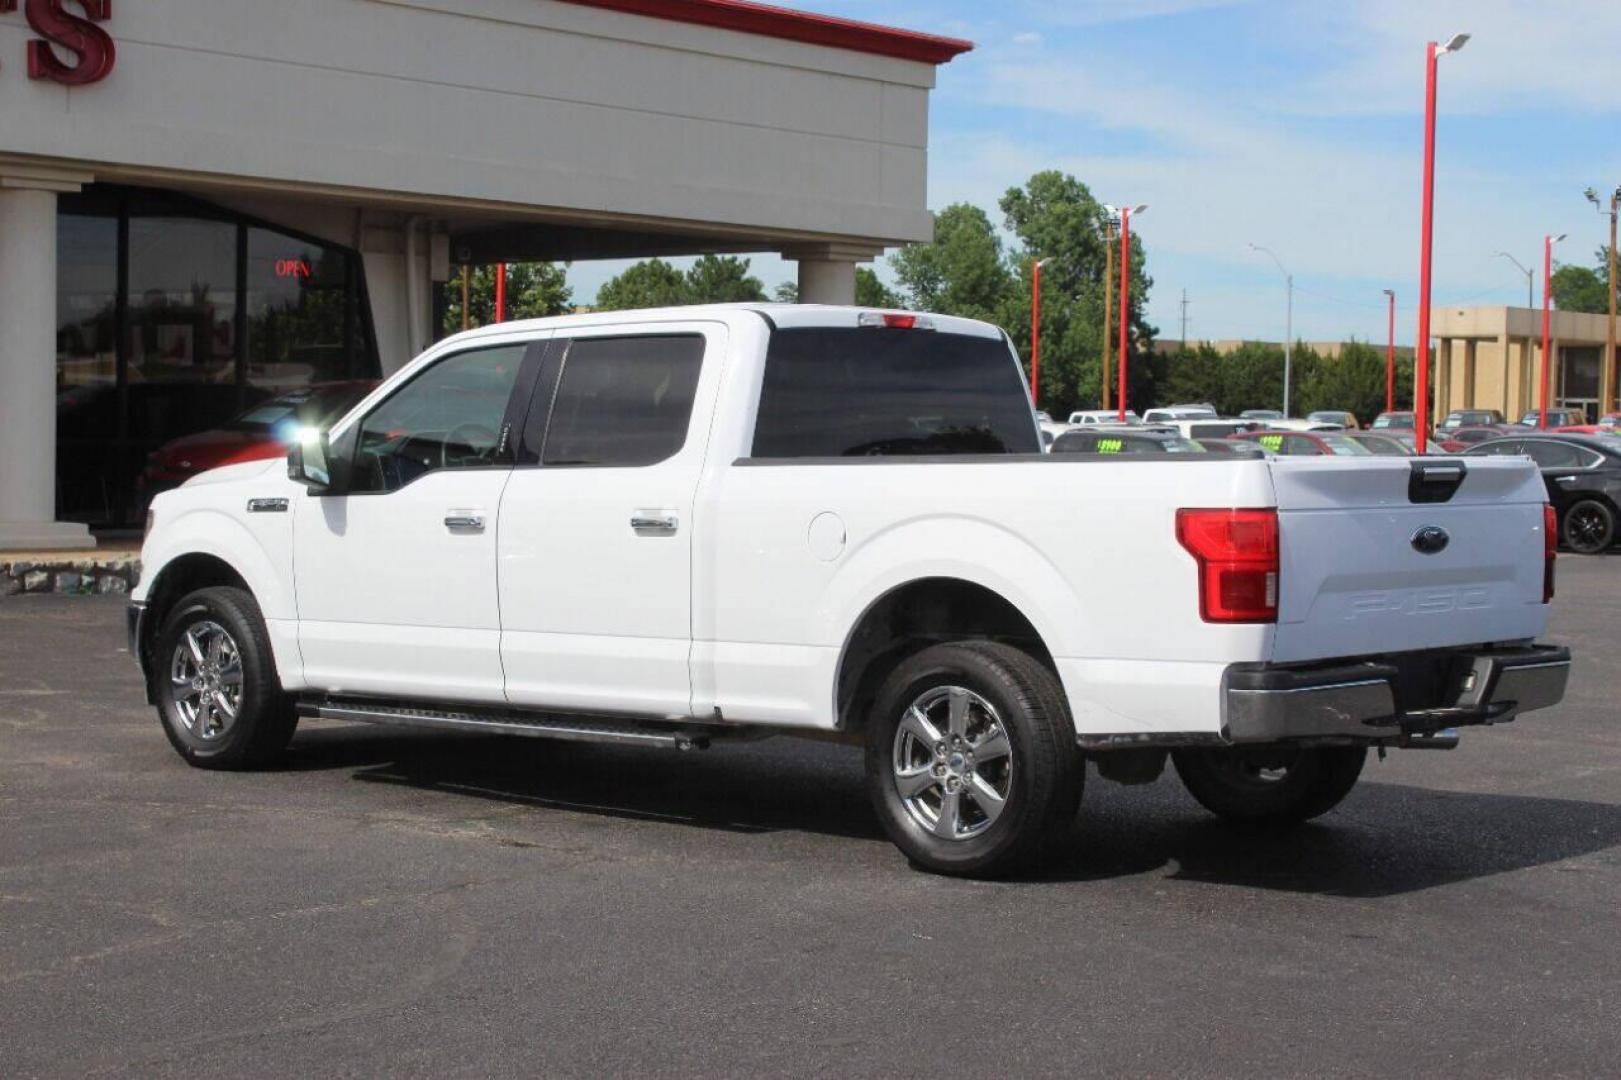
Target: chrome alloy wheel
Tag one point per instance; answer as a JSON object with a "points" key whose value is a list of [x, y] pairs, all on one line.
{"points": [[205, 679], [953, 765]]}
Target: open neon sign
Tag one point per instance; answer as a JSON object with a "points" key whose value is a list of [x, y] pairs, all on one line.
{"points": [[90, 46], [294, 268]]}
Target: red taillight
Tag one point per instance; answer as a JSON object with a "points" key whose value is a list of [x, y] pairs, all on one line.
{"points": [[1237, 552], [1550, 549]]}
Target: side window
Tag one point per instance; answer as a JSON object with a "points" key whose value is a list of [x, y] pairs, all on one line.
{"points": [[1076, 442], [447, 417], [1506, 448], [1555, 455], [623, 401], [1300, 445]]}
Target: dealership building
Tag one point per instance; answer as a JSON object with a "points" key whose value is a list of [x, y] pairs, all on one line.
{"points": [[206, 203]]}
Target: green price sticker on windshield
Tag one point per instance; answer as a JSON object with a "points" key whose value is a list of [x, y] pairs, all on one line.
{"points": [[1109, 446], [1271, 442]]}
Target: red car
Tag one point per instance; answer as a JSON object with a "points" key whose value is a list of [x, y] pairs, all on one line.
{"points": [[1458, 440], [1306, 443], [264, 431]]}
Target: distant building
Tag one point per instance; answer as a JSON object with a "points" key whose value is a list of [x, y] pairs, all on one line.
{"points": [[1491, 358]]}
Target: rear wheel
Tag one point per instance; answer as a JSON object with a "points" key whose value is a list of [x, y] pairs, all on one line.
{"points": [[1270, 785], [971, 759], [1589, 527], [219, 697]]}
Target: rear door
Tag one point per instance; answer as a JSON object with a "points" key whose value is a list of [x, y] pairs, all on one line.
{"points": [[1356, 579], [596, 524]]}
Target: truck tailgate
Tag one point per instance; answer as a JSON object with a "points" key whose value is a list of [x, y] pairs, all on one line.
{"points": [[1356, 577]]}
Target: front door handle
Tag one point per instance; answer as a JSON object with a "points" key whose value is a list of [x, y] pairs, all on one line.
{"points": [[464, 521], [654, 523]]}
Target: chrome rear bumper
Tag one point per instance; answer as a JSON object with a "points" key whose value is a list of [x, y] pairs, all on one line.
{"points": [[1390, 698]]}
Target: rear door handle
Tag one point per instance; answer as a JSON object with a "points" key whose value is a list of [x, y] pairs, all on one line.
{"points": [[654, 523], [464, 521], [1564, 479]]}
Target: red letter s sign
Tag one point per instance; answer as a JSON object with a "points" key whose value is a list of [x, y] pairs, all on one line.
{"points": [[80, 36]]}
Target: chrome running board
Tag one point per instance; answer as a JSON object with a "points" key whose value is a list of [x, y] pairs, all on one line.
{"points": [[501, 721]]}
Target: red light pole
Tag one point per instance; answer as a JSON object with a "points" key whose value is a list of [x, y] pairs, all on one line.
{"points": [[1421, 392], [1125, 297], [1547, 303], [500, 292], [1035, 332], [1390, 355]]}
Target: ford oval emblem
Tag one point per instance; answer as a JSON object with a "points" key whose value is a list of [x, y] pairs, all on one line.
{"points": [[1430, 540]]}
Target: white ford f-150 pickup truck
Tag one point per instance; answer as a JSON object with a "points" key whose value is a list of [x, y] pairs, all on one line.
{"points": [[683, 526]]}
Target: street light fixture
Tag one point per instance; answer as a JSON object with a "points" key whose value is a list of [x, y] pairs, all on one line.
{"points": [[1607, 387], [1035, 331], [1288, 320], [1547, 300], [1421, 392], [1125, 295], [1390, 355], [1529, 276]]}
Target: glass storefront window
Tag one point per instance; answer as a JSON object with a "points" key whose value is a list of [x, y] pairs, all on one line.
{"points": [[182, 326], [301, 323], [175, 316], [87, 411]]}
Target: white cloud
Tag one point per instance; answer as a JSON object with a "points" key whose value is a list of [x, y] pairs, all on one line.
{"points": [[1221, 168]]}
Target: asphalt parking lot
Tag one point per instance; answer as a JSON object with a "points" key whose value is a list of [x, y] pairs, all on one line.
{"points": [[423, 904]]}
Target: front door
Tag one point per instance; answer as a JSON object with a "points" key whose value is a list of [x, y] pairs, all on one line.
{"points": [[396, 577], [597, 522]]}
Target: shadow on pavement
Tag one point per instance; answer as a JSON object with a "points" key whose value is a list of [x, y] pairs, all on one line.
{"points": [[747, 788], [1387, 840]]}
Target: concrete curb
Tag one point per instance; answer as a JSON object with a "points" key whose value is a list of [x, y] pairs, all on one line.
{"points": [[109, 575]]}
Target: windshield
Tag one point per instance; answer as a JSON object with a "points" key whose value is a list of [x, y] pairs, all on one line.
{"points": [[1345, 446], [1328, 417], [1394, 420]]}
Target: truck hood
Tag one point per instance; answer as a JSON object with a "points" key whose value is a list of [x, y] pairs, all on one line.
{"points": [[228, 474]]}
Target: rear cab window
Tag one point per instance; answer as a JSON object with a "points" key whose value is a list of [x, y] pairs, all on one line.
{"points": [[882, 391]]}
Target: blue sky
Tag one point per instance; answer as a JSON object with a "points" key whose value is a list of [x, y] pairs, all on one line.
{"points": [[1295, 125]]}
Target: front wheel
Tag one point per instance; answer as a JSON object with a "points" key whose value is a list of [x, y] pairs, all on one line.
{"points": [[971, 759], [1271, 784], [1589, 527], [218, 693]]}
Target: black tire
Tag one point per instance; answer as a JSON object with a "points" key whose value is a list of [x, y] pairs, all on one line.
{"points": [[1270, 785], [264, 717], [1039, 776], [1588, 527]]}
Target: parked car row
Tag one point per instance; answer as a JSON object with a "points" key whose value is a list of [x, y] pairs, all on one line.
{"points": [[1581, 470]]}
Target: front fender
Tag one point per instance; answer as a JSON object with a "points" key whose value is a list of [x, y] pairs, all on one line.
{"points": [[263, 562]]}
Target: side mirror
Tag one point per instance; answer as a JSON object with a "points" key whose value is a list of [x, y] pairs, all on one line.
{"points": [[308, 461]]}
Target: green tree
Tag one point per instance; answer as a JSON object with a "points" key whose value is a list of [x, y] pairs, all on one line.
{"points": [[713, 279], [1576, 288], [722, 279], [871, 291], [1056, 218], [649, 284], [962, 272], [534, 291]]}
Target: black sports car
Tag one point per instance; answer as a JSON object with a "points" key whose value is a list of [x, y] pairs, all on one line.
{"points": [[1583, 475]]}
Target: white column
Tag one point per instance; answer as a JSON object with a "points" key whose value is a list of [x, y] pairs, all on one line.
{"points": [[28, 370], [827, 272]]}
